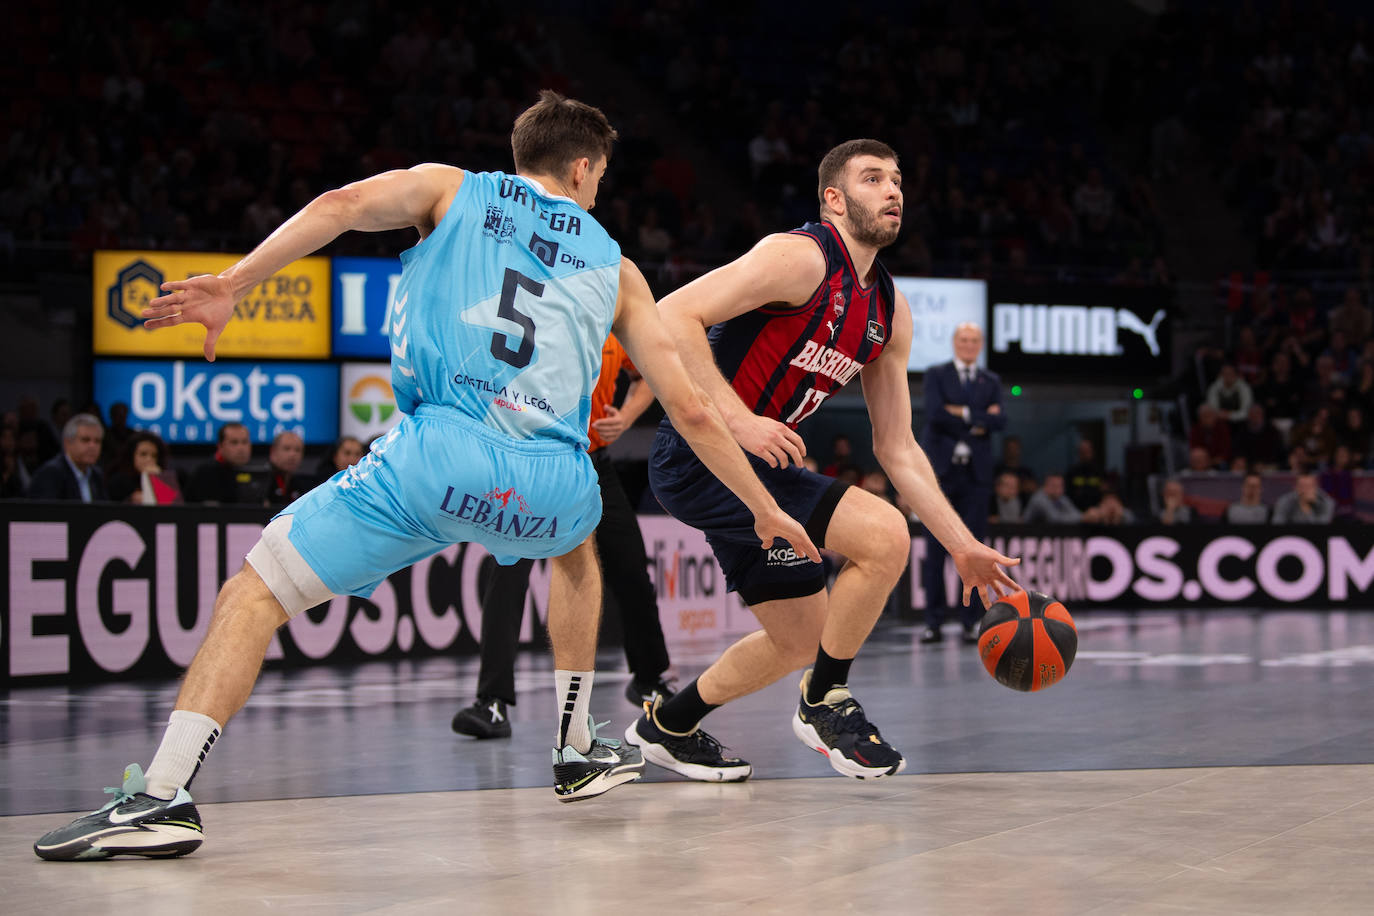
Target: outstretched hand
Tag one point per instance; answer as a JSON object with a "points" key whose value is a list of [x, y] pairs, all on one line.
{"points": [[770, 440], [779, 526], [980, 567], [206, 300]]}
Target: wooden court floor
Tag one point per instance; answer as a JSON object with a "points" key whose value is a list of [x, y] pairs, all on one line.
{"points": [[1202, 762]]}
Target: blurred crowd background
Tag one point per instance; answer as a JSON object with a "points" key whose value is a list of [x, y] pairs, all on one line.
{"points": [[1221, 150]]}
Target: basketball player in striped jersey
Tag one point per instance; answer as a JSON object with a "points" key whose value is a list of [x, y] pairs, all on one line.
{"points": [[792, 322]]}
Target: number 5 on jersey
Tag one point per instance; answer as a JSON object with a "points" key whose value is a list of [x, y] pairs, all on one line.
{"points": [[500, 343]]}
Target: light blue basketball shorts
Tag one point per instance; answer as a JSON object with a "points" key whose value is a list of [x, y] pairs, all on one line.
{"points": [[438, 478]]}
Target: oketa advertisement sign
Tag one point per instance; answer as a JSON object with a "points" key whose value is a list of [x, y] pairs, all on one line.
{"points": [[189, 400], [365, 291]]}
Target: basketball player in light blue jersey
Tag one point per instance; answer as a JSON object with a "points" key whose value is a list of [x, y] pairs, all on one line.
{"points": [[496, 338]]}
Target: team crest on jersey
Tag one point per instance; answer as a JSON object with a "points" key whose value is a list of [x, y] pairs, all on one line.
{"points": [[498, 225], [875, 332], [837, 303]]}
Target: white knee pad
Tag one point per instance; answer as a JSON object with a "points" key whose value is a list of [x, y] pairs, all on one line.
{"points": [[285, 571]]}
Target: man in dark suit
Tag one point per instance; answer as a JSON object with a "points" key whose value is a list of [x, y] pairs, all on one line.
{"points": [[74, 472], [963, 404]]}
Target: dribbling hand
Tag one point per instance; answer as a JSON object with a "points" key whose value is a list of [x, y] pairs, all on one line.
{"points": [[207, 300], [980, 567]]}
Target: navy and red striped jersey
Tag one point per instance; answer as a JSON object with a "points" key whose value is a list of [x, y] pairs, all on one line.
{"points": [[784, 360]]}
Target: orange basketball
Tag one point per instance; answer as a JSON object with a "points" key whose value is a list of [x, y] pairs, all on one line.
{"points": [[1027, 641]]}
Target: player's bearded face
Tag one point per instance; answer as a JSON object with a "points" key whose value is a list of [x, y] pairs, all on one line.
{"points": [[872, 224]]}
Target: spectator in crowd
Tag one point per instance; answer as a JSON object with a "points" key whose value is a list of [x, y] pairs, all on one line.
{"points": [[1200, 460], [1316, 436], [1050, 505], [1352, 317], [1258, 442], [117, 436], [74, 473], [1083, 481], [1250, 508], [1173, 510], [1007, 504], [1337, 482], [141, 475], [1213, 434], [1230, 396], [1110, 510], [963, 404], [1305, 504], [1281, 392], [841, 456], [344, 453], [1326, 387], [284, 456], [876, 482], [1011, 463], [1354, 435], [225, 479], [11, 483]]}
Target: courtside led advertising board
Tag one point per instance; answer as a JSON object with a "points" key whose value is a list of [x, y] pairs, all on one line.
{"points": [[287, 316], [189, 400], [364, 293]]}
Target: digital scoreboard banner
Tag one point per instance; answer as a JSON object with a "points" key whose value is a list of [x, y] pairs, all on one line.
{"points": [[189, 400], [287, 316], [1080, 332], [939, 306]]}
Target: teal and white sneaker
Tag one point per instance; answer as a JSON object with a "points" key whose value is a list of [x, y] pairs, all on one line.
{"points": [[608, 764], [132, 824]]}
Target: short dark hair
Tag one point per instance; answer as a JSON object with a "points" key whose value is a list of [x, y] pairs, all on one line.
{"points": [[832, 166], [555, 131], [225, 429]]}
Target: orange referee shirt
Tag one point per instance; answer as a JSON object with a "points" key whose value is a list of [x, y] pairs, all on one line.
{"points": [[613, 359]]}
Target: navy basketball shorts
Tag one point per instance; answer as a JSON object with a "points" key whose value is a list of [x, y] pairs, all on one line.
{"points": [[693, 495]]}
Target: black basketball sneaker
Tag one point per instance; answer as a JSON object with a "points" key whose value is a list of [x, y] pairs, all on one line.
{"points": [[695, 755], [132, 824], [607, 764], [838, 728], [487, 718], [638, 694]]}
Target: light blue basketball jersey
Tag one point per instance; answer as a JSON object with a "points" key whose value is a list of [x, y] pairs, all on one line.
{"points": [[502, 310]]}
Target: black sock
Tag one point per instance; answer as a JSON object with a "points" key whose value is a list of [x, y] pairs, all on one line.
{"points": [[681, 712], [828, 672]]}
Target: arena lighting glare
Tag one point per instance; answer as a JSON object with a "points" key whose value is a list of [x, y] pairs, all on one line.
{"points": [[1016, 391], [1137, 393]]}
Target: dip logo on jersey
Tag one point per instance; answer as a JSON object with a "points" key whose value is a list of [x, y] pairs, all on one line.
{"points": [[1070, 330], [544, 250], [134, 287], [371, 396], [875, 332], [494, 512], [498, 225]]}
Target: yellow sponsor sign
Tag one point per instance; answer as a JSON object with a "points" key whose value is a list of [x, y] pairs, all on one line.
{"points": [[286, 316]]}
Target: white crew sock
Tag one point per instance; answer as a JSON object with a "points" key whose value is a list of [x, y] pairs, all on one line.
{"points": [[188, 739], [574, 694]]}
